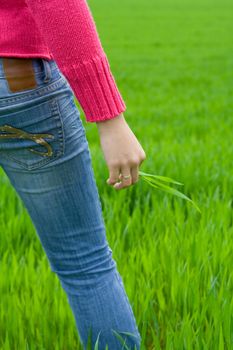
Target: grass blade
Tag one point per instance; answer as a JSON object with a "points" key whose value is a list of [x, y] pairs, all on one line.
{"points": [[160, 177], [121, 340], [97, 342], [159, 185]]}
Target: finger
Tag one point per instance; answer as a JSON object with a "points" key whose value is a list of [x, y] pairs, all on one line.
{"points": [[114, 173], [135, 173], [125, 171]]}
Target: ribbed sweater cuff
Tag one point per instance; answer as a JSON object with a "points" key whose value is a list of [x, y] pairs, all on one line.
{"points": [[95, 89]]}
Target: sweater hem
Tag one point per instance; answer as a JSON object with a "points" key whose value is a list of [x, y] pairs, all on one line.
{"points": [[95, 88], [91, 119], [27, 55]]}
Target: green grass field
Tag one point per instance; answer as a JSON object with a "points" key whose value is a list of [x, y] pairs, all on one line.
{"points": [[173, 63]]}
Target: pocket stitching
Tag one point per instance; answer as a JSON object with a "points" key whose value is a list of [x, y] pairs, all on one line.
{"points": [[55, 113]]}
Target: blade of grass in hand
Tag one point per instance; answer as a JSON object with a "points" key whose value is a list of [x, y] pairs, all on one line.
{"points": [[159, 177], [155, 183]]}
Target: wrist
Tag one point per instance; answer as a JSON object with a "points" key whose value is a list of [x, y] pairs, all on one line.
{"points": [[106, 124]]}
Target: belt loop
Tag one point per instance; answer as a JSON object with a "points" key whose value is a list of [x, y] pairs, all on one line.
{"points": [[47, 70]]}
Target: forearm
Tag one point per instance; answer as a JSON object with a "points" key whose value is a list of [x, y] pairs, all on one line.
{"points": [[104, 125]]}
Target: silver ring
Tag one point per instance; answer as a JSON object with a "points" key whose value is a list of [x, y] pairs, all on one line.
{"points": [[126, 176]]}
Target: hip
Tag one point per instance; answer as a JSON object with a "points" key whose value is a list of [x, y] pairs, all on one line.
{"points": [[39, 121]]}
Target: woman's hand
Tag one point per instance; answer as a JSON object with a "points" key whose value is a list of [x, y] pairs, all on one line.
{"points": [[122, 151]]}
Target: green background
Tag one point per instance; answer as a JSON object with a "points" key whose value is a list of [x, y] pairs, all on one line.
{"points": [[173, 64]]}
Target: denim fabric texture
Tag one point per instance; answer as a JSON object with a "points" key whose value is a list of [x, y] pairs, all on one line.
{"points": [[45, 154]]}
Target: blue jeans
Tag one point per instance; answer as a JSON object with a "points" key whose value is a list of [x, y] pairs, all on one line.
{"points": [[45, 154]]}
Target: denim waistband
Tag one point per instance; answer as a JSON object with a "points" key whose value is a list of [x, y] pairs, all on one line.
{"points": [[49, 78], [39, 65]]}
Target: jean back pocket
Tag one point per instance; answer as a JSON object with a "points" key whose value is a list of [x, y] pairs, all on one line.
{"points": [[32, 135]]}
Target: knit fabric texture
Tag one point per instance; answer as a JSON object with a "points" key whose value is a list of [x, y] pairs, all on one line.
{"points": [[63, 30]]}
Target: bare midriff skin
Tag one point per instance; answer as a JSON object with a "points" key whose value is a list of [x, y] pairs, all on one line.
{"points": [[122, 151]]}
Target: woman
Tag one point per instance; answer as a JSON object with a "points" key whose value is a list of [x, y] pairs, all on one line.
{"points": [[50, 50]]}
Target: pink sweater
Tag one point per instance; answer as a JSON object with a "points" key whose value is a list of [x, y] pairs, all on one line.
{"points": [[63, 30]]}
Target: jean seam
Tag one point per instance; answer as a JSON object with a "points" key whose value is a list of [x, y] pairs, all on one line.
{"points": [[61, 131], [130, 307], [28, 96]]}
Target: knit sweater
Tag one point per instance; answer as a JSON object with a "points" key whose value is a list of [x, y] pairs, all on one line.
{"points": [[64, 31]]}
